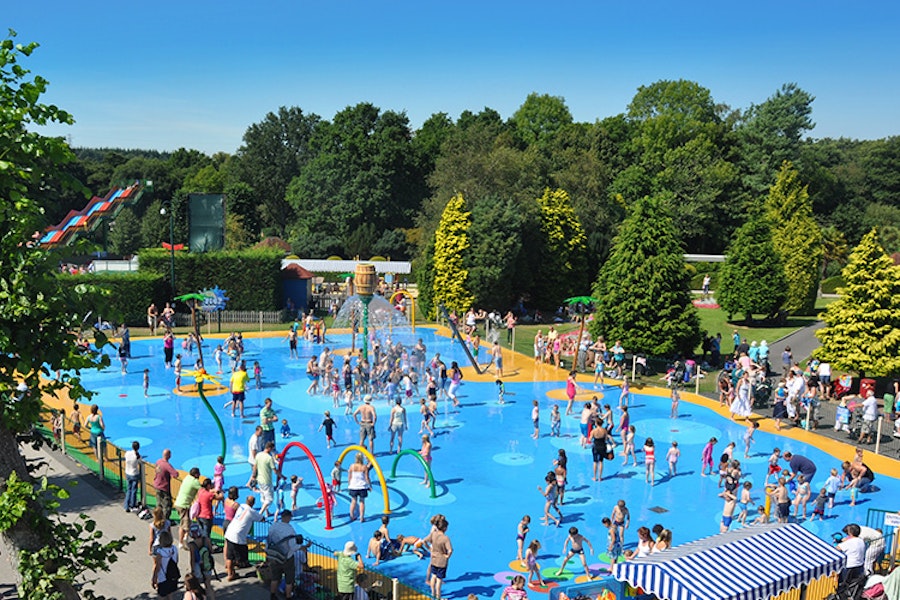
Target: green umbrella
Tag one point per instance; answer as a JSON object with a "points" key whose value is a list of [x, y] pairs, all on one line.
{"points": [[580, 304]]}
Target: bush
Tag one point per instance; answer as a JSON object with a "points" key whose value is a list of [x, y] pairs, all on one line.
{"points": [[251, 278], [831, 285], [120, 297]]}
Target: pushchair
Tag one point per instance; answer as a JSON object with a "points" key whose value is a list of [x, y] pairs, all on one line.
{"points": [[762, 393], [842, 386], [856, 421], [849, 589]]}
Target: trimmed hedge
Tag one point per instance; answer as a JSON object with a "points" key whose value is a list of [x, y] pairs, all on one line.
{"points": [[251, 278], [120, 297], [831, 285]]}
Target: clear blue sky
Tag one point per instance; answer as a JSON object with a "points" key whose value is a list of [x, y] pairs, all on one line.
{"points": [[196, 73]]}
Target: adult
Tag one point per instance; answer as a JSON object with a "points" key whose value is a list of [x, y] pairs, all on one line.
{"points": [[618, 354], [397, 424], [186, 495], [511, 320], [169, 348], [349, 563], [168, 317], [267, 420], [125, 336], [870, 418], [858, 475], [236, 550], [292, 340], [365, 416], [779, 407], [162, 482], [800, 465], [855, 549], [456, 377], [132, 475], [96, 428], [587, 413], [742, 405], [598, 448], [206, 495], [441, 550], [239, 380], [152, 318], [254, 446], [281, 544], [358, 485], [264, 471]]}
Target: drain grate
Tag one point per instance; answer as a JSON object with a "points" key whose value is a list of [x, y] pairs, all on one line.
{"points": [[658, 509]]}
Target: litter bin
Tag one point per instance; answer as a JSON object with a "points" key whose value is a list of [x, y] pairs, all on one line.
{"points": [[865, 385]]}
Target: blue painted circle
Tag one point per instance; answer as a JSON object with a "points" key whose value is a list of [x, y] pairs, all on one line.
{"points": [[684, 431], [125, 442], [145, 422], [513, 459]]}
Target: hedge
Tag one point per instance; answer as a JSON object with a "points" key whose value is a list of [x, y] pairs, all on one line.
{"points": [[251, 278], [120, 297]]}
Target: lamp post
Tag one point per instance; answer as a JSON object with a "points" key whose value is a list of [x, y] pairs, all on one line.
{"points": [[171, 213]]}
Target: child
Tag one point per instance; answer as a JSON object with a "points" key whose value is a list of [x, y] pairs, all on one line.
{"points": [[535, 418], [501, 389], [146, 383], [842, 417], [831, 487], [257, 374], [515, 590], [745, 502], [427, 417], [676, 398], [672, 458], [821, 501], [727, 510], [748, 437], [774, 468], [706, 458], [555, 421], [178, 371], [724, 462], [336, 476], [761, 517], [549, 492], [561, 472], [348, 402], [598, 371], [376, 547], [57, 425], [328, 424], [296, 482], [522, 531], [415, 544], [577, 542], [729, 450], [531, 563], [219, 474], [425, 453], [628, 445], [217, 355], [285, 429], [803, 496], [625, 395], [621, 518], [614, 544], [650, 462]]}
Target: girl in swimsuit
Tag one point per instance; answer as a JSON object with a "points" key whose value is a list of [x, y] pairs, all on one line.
{"points": [[531, 563], [521, 532], [427, 416], [550, 496], [629, 446], [425, 452]]}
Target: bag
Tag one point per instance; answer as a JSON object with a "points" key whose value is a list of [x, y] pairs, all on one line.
{"points": [[205, 559], [264, 572], [173, 573], [194, 512]]}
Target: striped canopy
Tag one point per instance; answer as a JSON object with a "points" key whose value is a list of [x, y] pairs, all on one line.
{"points": [[746, 564]]}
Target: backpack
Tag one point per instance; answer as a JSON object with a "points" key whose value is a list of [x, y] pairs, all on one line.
{"points": [[173, 573], [204, 558]]}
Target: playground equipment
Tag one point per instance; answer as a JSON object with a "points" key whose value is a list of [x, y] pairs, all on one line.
{"points": [[412, 306], [319, 477], [424, 464], [455, 331], [200, 376], [368, 455]]}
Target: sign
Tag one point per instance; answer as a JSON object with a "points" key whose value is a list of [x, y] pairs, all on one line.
{"points": [[213, 300], [892, 519]]}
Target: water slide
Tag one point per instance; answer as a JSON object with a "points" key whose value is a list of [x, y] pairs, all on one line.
{"points": [[97, 211], [455, 331]]}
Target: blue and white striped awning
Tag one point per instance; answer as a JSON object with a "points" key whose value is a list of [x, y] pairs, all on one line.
{"points": [[750, 563]]}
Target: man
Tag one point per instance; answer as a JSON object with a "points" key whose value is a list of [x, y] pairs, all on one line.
{"points": [[239, 380], [870, 417], [186, 494], [132, 475], [281, 544], [365, 417], [397, 424], [152, 318], [237, 554], [855, 549], [800, 465], [263, 469], [162, 482], [267, 420]]}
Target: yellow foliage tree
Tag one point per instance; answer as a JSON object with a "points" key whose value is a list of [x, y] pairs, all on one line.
{"points": [[451, 241]]}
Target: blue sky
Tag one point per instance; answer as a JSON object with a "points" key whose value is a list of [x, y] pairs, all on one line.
{"points": [[196, 73]]}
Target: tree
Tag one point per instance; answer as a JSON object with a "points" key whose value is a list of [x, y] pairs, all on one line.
{"points": [[496, 243], [451, 242], [125, 233], [39, 317], [752, 278], [796, 237], [862, 327], [540, 118], [643, 290], [561, 268]]}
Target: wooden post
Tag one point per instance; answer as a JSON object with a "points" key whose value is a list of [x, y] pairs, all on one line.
{"points": [[697, 378]]}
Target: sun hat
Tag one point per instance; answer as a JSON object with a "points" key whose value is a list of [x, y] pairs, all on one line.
{"points": [[350, 549]]}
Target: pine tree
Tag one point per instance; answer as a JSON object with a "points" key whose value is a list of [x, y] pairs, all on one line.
{"points": [[643, 289], [862, 331], [796, 237], [451, 241], [560, 271], [752, 278]]}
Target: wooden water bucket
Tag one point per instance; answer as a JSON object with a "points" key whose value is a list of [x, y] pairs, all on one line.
{"points": [[365, 280]]}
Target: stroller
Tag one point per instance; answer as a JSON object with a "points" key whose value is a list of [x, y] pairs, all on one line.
{"points": [[762, 393], [842, 386]]}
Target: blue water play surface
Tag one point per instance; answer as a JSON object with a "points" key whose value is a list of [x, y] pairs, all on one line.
{"points": [[486, 465]]}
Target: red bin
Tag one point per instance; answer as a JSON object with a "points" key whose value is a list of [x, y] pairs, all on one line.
{"points": [[865, 385]]}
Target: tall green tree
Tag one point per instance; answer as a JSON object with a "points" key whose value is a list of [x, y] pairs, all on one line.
{"points": [[862, 327], [496, 237], [643, 290], [797, 239], [561, 268], [540, 118], [39, 317], [752, 282], [451, 243], [125, 233]]}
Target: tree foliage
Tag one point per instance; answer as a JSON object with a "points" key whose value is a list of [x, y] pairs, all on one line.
{"points": [[643, 290], [752, 279], [496, 237], [540, 118], [451, 242], [862, 327], [797, 239], [560, 269]]}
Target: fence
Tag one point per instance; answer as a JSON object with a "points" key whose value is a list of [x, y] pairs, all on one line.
{"points": [[107, 461]]}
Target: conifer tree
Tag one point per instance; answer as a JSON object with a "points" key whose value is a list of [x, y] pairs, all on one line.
{"points": [[796, 237], [643, 289], [752, 278], [562, 264], [862, 331], [451, 241]]}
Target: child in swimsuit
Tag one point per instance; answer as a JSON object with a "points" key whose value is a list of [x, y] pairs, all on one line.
{"points": [[577, 542], [531, 563], [521, 532]]}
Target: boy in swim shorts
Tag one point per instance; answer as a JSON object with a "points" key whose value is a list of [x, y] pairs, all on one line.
{"points": [[575, 544]]}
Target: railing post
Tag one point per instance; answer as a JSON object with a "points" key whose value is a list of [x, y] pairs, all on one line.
{"points": [[395, 589], [878, 434]]}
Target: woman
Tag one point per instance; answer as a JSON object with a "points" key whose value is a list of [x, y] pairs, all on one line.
{"points": [[571, 388], [159, 524], [664, 542], [231, 506], [645, 543], [358, 486], [779, 408], [169, 348], [598, 448], [725, 391], [96, 427], [538, 347], [742, 406], [162, 579], [455, 381]]}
